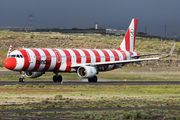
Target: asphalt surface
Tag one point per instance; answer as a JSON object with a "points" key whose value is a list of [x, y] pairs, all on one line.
{"points": [[97, 83], [75, 82]]}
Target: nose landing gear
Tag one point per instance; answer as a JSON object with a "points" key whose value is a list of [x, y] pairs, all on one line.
{"points": [[22, 79]]}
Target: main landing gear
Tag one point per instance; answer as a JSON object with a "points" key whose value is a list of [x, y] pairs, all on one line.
{"points": [[22, 79], [93, 79], [57, 78]]}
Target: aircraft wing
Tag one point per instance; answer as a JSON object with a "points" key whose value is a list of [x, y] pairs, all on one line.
{"points": [[118, 63]]}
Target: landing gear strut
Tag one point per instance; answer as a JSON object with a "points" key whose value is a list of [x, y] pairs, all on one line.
{"points": [[93, 79], [57, 78], [22, 79]]}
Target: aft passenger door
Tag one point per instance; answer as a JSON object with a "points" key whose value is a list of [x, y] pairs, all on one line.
{"points": [[58, 56], [29, 57]]}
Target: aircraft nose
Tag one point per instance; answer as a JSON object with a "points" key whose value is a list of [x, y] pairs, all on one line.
{"points": [[10, 63]]}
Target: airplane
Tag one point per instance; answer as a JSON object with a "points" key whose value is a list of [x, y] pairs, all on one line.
{"points": [[87, 63]]}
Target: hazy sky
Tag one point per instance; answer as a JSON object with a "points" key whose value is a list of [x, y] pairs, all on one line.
{"points": [[116, 14]]}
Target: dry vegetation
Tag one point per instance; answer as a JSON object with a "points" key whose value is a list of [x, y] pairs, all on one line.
{"points": [[88, 41], [111, 96]]}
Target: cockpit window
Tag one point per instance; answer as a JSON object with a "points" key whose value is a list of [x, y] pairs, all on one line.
{"points": [[17, 56], [21, 56], [13, 55]]}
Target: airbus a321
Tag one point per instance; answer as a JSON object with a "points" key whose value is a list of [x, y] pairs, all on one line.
{"points": [[87, 63]]}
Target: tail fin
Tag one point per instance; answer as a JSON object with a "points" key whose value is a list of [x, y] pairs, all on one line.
{"points": [[128, 42], [9, 51]]}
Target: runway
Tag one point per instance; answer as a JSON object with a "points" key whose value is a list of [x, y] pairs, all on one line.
{"points": [[97, 83], [85, 82]]}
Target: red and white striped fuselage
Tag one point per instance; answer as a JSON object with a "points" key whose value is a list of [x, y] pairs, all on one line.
{"points": [[44, 60]]}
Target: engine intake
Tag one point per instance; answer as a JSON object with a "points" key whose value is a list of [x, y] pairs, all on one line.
{"points": [[86, 71], [33, 74]]}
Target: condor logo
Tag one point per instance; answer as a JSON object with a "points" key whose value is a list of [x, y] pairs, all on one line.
{"points": [[43, 61]]}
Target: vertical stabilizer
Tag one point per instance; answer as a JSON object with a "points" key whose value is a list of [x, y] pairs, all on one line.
{"points": [[128, 42]]}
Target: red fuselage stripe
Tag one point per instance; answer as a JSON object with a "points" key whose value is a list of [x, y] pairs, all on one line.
{"points": [[48, 58], [124, 56], [88, 57], [116, 57], [107, 58], [57, 54], [78, 56], [98, 59], [38, 57], [68, 60]]}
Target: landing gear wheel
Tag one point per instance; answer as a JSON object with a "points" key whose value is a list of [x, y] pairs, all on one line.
{"points": [[21, 79], [90, 80], [93, 79], [54, 78], [59, 78]]}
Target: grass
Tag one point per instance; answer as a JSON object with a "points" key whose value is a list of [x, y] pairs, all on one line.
{"points": [[128, 73], [113, 115], [87, 96], [108, 115], [78, 96]]}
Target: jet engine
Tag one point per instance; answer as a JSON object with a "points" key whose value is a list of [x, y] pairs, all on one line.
{"points": [[86, 71], [33, 74]]}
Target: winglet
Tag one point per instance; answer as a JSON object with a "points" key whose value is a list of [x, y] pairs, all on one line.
{"points": [[9, 51], [172, 49]]}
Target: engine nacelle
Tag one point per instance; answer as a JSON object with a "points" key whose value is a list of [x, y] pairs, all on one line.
{"points": [[86, 71], [33, 74]]}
